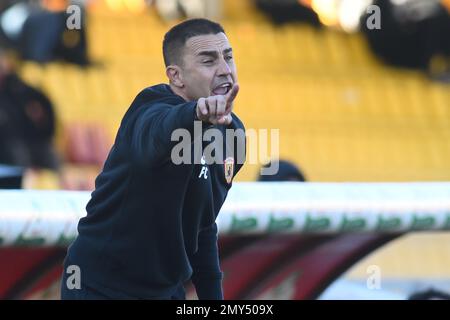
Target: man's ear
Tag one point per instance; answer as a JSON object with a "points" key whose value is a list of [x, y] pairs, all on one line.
{"points": [[173, 72]]}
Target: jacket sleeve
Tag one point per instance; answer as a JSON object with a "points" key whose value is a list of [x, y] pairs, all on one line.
{"points": [[152, 130], [207, 276]]}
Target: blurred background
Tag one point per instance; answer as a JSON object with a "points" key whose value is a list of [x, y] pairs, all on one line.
{"points": [[360, 93]]}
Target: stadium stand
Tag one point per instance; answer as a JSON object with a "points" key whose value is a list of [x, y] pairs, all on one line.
{"points": [[342, 114]]}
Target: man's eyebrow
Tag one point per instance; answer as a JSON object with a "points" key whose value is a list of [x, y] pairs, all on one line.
{"points": [[208, 53], [214, 53]]}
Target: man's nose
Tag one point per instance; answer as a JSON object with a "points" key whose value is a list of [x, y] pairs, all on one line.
{"points": [[224, 68]]}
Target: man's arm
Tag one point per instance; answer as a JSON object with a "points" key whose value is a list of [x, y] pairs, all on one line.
{"points": [[207, 276], [151, 134]]}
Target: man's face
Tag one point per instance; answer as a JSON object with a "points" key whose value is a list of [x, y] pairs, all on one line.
{"points": [[207, 67]]}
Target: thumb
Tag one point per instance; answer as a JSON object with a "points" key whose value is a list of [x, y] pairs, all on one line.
{"points": [[227, 119]]}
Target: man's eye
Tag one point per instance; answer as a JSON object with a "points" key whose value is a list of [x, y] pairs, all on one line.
{"points": [[207, 61], [228, 58]]}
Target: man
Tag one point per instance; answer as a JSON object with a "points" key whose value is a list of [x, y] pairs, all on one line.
{"points": [[150, 223], [27, 122]]}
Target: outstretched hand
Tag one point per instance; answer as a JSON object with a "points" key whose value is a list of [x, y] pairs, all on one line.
{"points": [[217, 109]]}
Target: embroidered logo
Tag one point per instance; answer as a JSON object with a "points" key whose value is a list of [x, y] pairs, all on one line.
{"points": [[229, 169]]}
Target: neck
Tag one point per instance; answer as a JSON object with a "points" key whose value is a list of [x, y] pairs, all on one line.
{"points": [[179, 92]]}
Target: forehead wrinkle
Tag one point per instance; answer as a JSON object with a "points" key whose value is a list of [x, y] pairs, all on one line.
{"points": [[199, 44]]}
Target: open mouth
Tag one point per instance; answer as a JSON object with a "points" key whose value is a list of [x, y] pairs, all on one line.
{"points": [[222, 89]]}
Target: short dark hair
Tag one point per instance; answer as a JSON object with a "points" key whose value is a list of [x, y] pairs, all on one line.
{"points": [[176, 38]]}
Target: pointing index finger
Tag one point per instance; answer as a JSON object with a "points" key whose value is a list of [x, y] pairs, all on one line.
{"points": [[231, 95]]}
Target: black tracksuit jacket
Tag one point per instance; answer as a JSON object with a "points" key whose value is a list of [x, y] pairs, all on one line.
{"points": [[150, 223]]}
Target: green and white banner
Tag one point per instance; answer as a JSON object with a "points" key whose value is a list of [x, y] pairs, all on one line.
{"points": [[42, 218]]}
